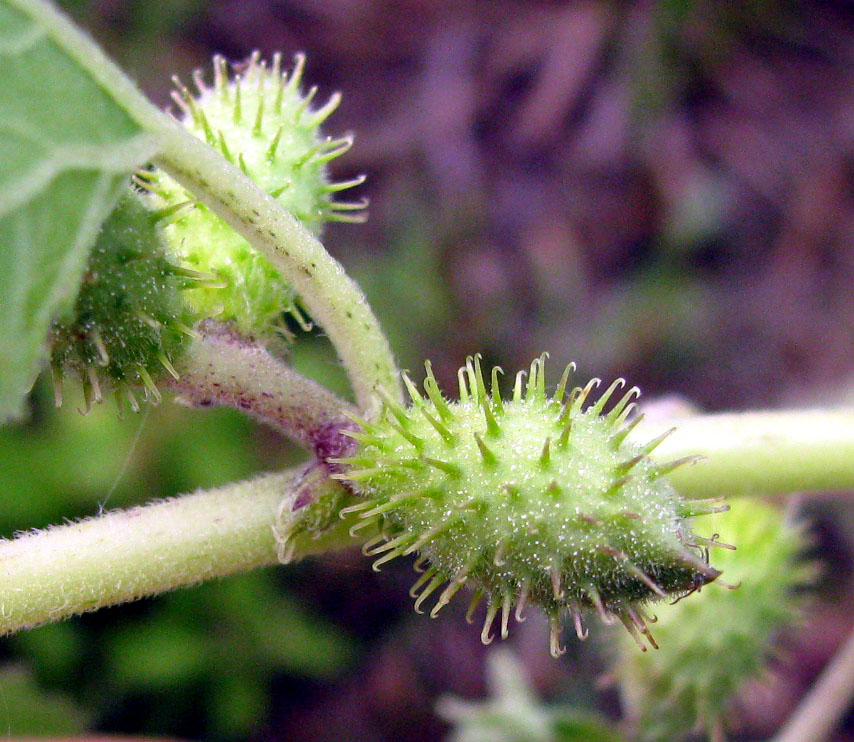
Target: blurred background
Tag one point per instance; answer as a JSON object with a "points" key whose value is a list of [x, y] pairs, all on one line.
{"points": [[657, 190]]}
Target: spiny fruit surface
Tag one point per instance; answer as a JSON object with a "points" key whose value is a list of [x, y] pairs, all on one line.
{"points": [[534, 500], [261, 122], [128, 321], [714, 643]]}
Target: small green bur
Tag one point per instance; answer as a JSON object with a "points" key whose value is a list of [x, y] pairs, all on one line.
{"points": [[259, 121], [128, 322], [535, 500], [720, 639]]}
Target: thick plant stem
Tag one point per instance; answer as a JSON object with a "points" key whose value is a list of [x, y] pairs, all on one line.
{"points": [[759, 452], [46, 576], [820, 712], [221, 367], [331, 296]]}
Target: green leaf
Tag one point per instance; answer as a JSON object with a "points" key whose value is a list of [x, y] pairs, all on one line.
{"points": [[68, 142], [29, 710], [577, 726]]}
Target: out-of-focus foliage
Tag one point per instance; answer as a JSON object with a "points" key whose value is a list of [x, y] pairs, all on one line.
{"points": [[513, 713], [27, 709], [225, 642], [413, 313]]}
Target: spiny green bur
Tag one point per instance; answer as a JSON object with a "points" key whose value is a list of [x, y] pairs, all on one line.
{"points": [[128, 321], [715, 642], [535, 500], [262, 123]]}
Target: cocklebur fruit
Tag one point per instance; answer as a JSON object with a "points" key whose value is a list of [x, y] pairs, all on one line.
{"points": [[129, 321], [540, 499], [717, 641], [260, 121]]}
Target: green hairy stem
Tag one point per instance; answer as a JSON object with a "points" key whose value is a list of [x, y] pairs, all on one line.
{"points": [[770, 453], [46, 576]]}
